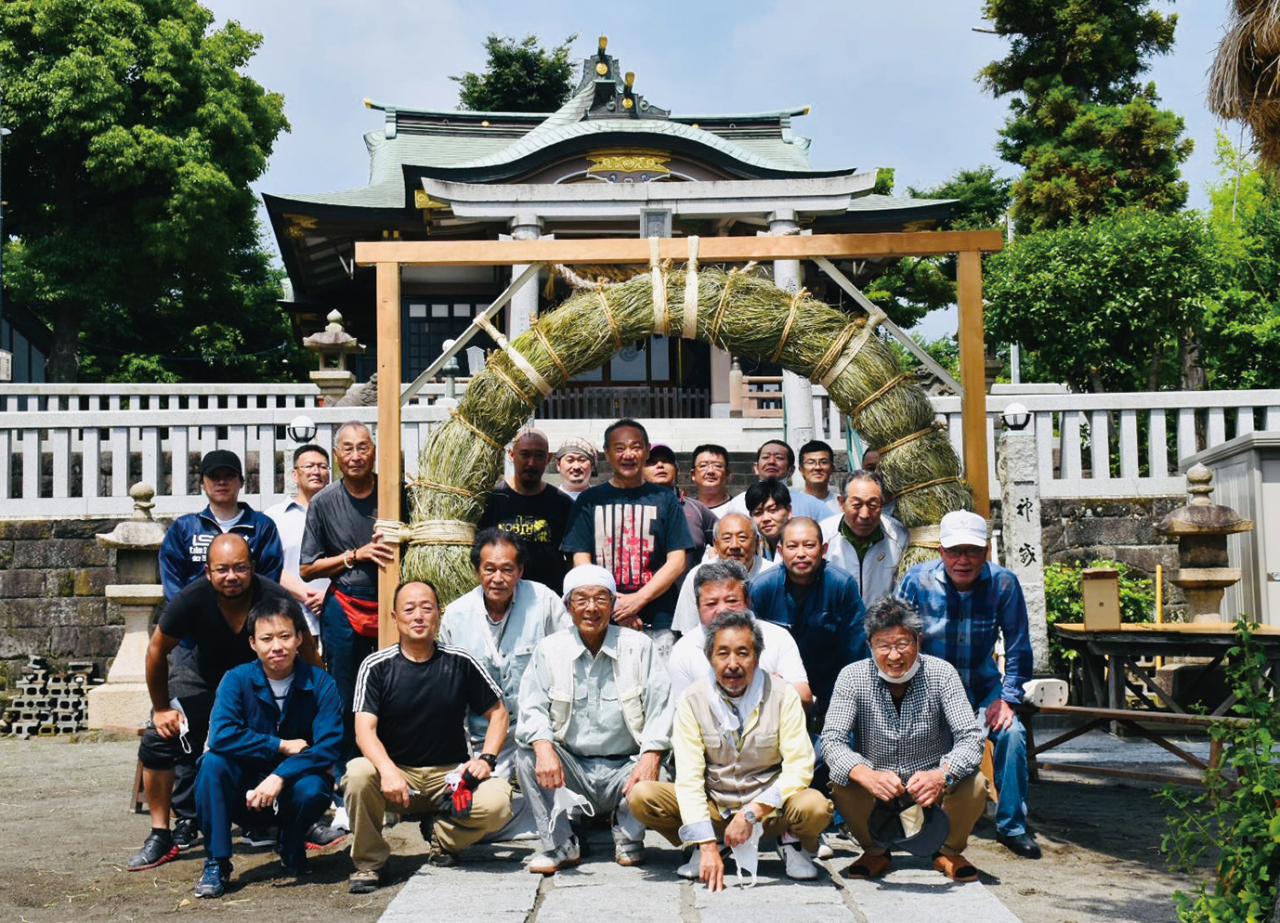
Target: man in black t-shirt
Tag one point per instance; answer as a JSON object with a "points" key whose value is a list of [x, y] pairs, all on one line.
{"points": [[211, 612], [635, 531], [411, 703], [528, 507]]}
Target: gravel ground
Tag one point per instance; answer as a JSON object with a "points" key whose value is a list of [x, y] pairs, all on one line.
{"points": [[65, 833]]}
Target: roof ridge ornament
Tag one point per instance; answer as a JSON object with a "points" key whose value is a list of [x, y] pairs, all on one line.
{"points": [[614, 98]]}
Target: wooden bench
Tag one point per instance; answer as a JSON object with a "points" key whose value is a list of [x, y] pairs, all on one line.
{"points": [[1134, 721]]}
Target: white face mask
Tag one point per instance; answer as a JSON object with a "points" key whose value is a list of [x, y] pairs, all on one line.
{"points": [[747, 856], [904, 678], [566, 801]]}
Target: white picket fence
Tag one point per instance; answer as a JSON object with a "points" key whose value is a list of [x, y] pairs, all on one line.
{"points": [[74, 450]]}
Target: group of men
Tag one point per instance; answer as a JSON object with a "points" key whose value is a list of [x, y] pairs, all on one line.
{"points": [[630, 653]]}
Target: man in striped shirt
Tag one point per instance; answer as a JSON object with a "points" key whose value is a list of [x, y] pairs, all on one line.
{"points": [[411, 702]]}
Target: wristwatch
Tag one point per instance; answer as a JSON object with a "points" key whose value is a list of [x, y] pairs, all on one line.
{"points": [[749, 815], [490, 759]]}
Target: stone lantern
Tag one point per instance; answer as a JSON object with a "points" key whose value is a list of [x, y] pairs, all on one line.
{"points": [[122, 702], [1201, 528], [332, 345]]}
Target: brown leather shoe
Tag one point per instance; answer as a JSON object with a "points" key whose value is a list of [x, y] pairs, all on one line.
{"points": [[869, 865], [956, 867]]}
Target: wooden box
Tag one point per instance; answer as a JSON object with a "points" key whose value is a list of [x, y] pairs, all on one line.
{"points": [[1101, 598]]}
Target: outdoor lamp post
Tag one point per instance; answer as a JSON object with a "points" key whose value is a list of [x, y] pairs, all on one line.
{"points": [[301, 429], [1016, 416]]}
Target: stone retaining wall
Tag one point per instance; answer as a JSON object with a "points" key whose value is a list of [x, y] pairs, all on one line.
{"points": [[52, 576]]}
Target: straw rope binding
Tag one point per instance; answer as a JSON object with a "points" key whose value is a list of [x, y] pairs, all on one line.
{"points": [[541, 336], [876, 395], [921, 486], [786, 329], [899, 443], [453, 412], [873, 320], [689, 329], [608, 315], [661, 319], [837, 347], [514, 355]]}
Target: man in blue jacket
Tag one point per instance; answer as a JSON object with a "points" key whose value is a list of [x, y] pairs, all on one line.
{"points": [[273, 739], [186, 543], [818, 603]]}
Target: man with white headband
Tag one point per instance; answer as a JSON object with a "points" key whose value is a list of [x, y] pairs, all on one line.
{"points": [[589, 725]]}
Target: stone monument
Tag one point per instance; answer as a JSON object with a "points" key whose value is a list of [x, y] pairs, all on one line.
{"points": [[122, 702]]}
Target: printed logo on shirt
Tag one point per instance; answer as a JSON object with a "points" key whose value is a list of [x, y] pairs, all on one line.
{"points": [[625, 543], [530, 528], [199, 549]]}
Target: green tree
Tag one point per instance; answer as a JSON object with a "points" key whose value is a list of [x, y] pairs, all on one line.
{"points": [[1088, 134], [1114, 305], [908, 289], [520, 76], [132, 227]]}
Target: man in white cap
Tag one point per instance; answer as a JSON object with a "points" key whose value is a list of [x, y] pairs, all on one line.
{"points": [[590, 723], [965, 602]]}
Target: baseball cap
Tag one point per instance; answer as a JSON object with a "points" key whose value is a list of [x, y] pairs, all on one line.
{"points": [[962, 528], [221, 458], [576, 445], [661, 452]]}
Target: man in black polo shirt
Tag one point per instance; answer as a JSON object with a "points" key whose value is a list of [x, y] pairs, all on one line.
{"points": [[411, 706], [212, 612]]}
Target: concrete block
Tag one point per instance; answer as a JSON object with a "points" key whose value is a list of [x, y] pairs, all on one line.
{"points": [[81, 528], [488, 889], [37, 529], [92, 581], [59, 553]]}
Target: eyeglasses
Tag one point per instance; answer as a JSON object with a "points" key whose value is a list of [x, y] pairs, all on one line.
{"points": [[900, 646], [816, 463], [964, 551], [223, 569], [595, 601], [315, 466]]}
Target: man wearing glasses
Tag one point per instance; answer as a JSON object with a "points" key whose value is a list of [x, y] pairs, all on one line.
{"points": [[212, 612], [965, 602], [338, 542], [863, 539], [310, 475], [817, 464], [710, 471]]}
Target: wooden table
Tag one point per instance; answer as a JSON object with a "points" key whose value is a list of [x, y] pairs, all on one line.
{"points": [[1111, 665]]}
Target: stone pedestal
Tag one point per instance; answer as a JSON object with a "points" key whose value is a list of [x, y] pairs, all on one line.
{"points": [[1018, 469], [1201, 528], [122, 702]]}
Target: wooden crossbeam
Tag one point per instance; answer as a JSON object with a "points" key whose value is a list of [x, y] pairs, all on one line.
{"points": [[710, 249]]}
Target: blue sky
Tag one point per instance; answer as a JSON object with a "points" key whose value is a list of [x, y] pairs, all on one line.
{"points": [[891, 84]]}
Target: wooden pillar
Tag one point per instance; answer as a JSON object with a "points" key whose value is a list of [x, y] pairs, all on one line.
{"points": [[973, 407], [390, 478]]}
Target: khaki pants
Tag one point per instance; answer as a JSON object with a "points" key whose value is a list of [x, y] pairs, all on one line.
{"points": [[362, 788], [963, 803], [804, 815]]}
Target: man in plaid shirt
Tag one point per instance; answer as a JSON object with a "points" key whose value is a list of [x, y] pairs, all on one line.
{"points": [[966, 602]]}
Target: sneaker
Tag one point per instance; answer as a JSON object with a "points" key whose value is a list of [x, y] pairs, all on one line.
{"points": [[692, 867], [364, 882], [629, 852], [322, 835], [157, 849], [214, 878], [257, 836], [798, 861], [185, 833], [550, 861], [824, 851]]}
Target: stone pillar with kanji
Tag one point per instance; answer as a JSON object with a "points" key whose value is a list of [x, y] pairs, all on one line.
{"points": [[1021, 533]]}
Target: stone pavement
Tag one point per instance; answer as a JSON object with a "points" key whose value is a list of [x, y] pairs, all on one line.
{"points": [[491, 884]]}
